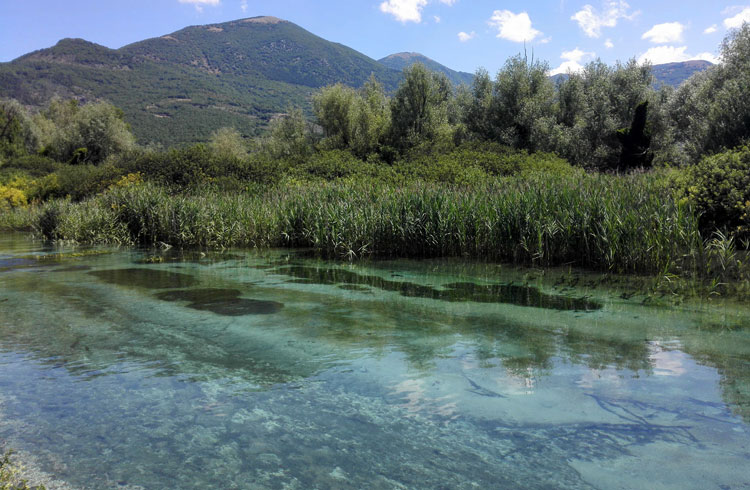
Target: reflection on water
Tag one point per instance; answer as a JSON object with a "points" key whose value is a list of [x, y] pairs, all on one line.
{"points": [[265, 370], [458, 291]]}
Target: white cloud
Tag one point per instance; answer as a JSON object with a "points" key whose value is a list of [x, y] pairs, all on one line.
{"points": [[513, 27], [464, 37], [670, 32], [404, 10], [409, 10], [437, 19], [672, 54], [572, 61], [592, 21], [243, 5], [609, 44], [737, 20], [200, 3], [711, 29]]}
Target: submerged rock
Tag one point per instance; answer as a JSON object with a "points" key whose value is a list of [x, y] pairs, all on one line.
{"points": [[225, 302]]}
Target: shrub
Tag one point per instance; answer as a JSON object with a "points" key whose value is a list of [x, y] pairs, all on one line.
{"points": [[81, 181], [11, 197], [719, 188], [472, 163], [33, 165], [329, 165]]}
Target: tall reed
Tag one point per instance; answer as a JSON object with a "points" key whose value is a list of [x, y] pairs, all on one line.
{"points": [[623, 224]]}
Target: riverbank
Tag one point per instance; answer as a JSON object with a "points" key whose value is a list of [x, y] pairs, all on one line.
{"points": [[609, 223]]}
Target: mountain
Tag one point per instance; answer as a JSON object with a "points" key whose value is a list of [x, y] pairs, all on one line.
{"points": [[180, 87], [668, 73], [675, 73], [399, 61]]}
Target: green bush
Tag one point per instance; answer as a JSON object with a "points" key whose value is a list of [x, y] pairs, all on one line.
{"points": [[32, 165], [472, 163], [329, 165], [199, 165], [81, 181], [719, 188]]}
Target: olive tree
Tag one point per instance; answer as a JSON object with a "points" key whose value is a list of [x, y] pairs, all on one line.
{"points": [[19, 134], [419, 106], [86, 134]]}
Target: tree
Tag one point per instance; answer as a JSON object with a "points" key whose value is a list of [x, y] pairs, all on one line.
{"points": [[290, 137], [372, 119], [522, 102], [711, 111], [593, 105], [335, 108], [478, 118], [18, 133], [228, 144], [354, 120], [86, 134], [418, 108]]}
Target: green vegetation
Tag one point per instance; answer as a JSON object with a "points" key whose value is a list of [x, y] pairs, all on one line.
{"points": [[180, 88], [10, 475], [590, 172], [623, 224], [719, 187]]}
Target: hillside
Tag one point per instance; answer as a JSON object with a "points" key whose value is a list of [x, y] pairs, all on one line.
{"points": [[399, 61], [675, 73], [668, 73], [180, 87]]}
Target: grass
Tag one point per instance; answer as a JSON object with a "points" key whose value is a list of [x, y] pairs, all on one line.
{"points": [[620, 224]]}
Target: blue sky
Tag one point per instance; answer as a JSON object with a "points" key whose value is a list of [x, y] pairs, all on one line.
{"points": [[462, 34]]}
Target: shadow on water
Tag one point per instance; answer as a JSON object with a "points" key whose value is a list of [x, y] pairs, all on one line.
{"points": [[454, 292], [225, 302], [146, 278]]}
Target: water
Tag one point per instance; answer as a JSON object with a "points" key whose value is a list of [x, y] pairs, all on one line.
{"points": [[136, 369]]}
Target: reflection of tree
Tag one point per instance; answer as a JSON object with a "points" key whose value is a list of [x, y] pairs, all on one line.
{"points": [[728, 351], [331, 325], [602, 353]]}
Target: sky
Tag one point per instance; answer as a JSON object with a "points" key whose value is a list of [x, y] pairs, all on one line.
{"points": [[461, 34]]}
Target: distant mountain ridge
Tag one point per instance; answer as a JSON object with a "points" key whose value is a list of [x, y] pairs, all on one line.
{"points": [[180, 87], [399, 61], [675, 73]]}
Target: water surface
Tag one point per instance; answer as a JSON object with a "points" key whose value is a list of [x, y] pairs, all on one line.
{"points": [[121, 369]]}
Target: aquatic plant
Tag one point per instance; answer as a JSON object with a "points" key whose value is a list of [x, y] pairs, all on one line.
{"points": [[10, 475], [623, 224]]}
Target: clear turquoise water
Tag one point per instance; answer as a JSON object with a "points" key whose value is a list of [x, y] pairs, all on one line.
{"points": [[272, 370]]}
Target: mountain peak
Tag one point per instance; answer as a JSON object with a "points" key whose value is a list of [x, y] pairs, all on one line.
{"points": [[405, 56], [399, 61], [264, 19]]}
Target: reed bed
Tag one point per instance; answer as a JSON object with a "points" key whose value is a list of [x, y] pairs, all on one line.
{"points": [[621, 224]]}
